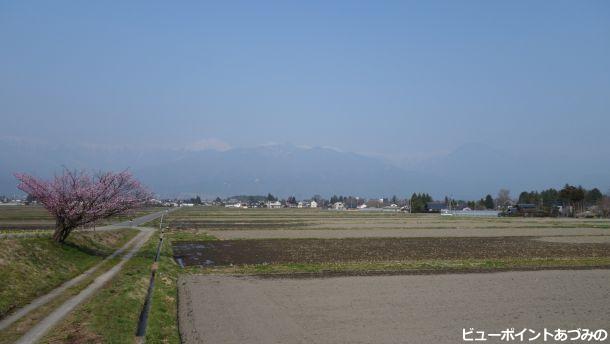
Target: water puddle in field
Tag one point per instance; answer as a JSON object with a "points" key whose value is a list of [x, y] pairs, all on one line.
{"points": [[195, 253], [180, 262]]}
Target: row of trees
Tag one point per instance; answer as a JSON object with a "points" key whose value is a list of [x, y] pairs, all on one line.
{"points": [[568, 194], [575, 197]]}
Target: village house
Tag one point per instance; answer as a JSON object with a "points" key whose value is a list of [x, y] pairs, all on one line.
{"points": [[339, 206], [274, 205], [435, 207]]}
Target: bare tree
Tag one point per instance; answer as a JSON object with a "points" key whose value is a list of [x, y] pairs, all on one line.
{"points": [[604, 206], [503, 199]]}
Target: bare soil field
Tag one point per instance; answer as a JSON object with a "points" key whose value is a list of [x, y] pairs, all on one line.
{"points": [[280, 251], [388, 309], [221, 219], [35, 217], [315, 276]]}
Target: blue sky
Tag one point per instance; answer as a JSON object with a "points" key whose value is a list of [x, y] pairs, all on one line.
{"points": [[397, 79]]}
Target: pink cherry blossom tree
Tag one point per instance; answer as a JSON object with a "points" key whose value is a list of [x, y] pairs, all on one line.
{"points": [[78, 198]]}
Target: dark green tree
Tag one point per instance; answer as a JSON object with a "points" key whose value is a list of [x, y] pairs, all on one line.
{"points": [[593, 196], [572, 194], [532, 197], [489, 202], [196, 200], [549, 197], [419, 202]]}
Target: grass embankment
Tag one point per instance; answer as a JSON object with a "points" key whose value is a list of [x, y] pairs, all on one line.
{"points": [[111, 316], [407, 267], [30, 267]]}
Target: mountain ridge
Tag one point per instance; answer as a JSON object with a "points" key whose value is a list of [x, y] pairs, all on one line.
{"points": [[470, 171]]}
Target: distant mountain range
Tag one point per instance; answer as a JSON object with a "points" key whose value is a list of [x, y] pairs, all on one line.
{"points": [[282, 170], [469, 172]]}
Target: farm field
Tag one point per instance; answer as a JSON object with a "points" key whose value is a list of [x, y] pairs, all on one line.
{"points": [[283, 251], [211, 274], [388, 309], [381, 277], [290, 240], [312, 223], [34, 217], [217, 219]]}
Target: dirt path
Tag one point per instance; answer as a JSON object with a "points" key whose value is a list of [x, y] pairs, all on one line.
{"points": [[42, 327], [403, 233], [42, 300], [137, 240], [388, 309]]}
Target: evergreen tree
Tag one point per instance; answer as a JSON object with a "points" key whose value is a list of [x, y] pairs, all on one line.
{"points": [[489, 202], [593, 196], [419, 202]]}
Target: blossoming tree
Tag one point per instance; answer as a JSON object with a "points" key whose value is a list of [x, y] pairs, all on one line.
{"points": [[78, 198]]}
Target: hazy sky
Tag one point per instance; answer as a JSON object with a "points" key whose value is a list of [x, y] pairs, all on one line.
{"points": [[392, 78]]}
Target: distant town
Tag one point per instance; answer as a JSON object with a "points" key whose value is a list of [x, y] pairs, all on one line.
{"points": [[569, 201]]}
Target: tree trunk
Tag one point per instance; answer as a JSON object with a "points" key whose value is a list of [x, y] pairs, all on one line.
{"points": [[61, 231]]}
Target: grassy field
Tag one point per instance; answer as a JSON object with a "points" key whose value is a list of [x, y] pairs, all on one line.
{"points": [[111, 316], [30, 267], [35, 217]]}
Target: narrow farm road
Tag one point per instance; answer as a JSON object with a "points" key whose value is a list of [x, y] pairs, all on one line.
{"points": [[136, 242], [42, 300], [39, 330], [137, 221]]}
